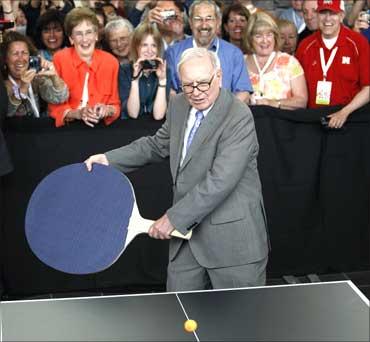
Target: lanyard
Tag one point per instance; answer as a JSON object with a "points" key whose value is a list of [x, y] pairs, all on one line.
{"points": [[30, 96], [263, 70], [325, 66]]}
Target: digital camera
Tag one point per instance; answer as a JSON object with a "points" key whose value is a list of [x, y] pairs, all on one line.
{"points": [[149, 64], [6, 24], [34, 62], [168, 14], [365, 16]]}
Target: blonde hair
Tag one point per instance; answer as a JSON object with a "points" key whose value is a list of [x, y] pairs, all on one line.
{"points": [[257, 22], [140, 33]]}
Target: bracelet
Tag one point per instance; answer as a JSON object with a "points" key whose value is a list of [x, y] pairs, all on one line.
{"points": [[134, 78], [162, 85], [11, 11]]}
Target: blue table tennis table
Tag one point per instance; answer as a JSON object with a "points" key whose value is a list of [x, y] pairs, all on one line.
{"points": [[333, 311]]}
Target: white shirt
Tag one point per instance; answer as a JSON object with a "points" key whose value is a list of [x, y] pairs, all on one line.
{"points": [[189, 125], [329, 42]]}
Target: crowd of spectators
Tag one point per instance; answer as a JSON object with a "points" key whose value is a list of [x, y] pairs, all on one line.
{"points": [[98, 60]]}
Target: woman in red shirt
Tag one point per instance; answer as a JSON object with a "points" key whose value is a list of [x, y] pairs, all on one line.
{"points": [[91, 74]]}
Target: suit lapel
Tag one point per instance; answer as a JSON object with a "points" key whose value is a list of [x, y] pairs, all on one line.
{"points": [[209, 124], [181, 116]]}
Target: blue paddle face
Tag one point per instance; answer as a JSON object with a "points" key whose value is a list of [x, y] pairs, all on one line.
{"points": [[76, 221]]}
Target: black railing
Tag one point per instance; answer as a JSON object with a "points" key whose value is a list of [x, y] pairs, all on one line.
{"points": [[316, 187]]}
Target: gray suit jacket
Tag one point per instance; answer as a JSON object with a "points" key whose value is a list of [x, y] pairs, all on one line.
{"points": [[217, 191]]}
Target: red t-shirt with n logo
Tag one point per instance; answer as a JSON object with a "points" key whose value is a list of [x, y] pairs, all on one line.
{"points": [[349, 72]]}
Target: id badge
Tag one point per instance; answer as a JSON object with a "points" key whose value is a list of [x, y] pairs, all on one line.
{"points": [[323, 92]]}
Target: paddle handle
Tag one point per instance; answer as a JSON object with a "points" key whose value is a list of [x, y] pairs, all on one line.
{"points": [[145, 224], [177, 234]]}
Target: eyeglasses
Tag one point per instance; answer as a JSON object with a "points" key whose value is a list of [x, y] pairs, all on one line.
{"points": [[207, 20], [88, 34], [260, 36], [119, 41], [201, 86]]}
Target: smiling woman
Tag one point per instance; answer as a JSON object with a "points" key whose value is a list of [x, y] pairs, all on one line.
{"points": [[143, 85], [49, 34], [91, 74], [234, 20], [29, 86], [278, 79]]}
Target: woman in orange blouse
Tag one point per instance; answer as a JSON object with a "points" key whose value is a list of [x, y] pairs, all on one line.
{"points": [[91, 74]]}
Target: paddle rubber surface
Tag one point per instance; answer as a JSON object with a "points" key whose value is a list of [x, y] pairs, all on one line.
{"points": [[76, 221]]}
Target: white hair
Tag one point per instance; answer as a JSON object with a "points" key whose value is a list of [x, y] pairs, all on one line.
{"points": [[116, 24], [199, 52], [206, 2]]}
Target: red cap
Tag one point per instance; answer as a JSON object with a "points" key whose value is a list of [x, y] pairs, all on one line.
{"points": [[335, 6]]}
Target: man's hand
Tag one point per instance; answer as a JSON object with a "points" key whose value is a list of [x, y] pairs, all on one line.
{"points": [[155, 16], [141, 4], [337, 119], [96, 159], [161, 229], [361, 22]]}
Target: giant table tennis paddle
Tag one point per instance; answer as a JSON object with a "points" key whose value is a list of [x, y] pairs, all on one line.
{"points": [[80, 222]]}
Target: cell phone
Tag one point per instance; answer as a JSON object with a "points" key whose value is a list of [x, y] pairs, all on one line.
{"points": [[34, 62], [324, 120], [150, 64]]}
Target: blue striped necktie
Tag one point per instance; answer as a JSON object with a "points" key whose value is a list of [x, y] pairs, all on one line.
{"points": [[199, 117]]}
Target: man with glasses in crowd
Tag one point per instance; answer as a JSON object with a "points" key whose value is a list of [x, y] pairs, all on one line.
{"points": [[205, 21], [210, 139], [118, 34]]}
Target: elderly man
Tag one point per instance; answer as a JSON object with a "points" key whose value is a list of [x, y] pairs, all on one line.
{"points": [[210, 139], [118, 34], [337, 62], [205, 21]]}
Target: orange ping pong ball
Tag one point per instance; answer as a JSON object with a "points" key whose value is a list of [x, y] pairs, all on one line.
{"points": [[190, 325]]}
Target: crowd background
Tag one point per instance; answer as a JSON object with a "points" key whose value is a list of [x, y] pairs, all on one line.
{"points": [[256, 41]]}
